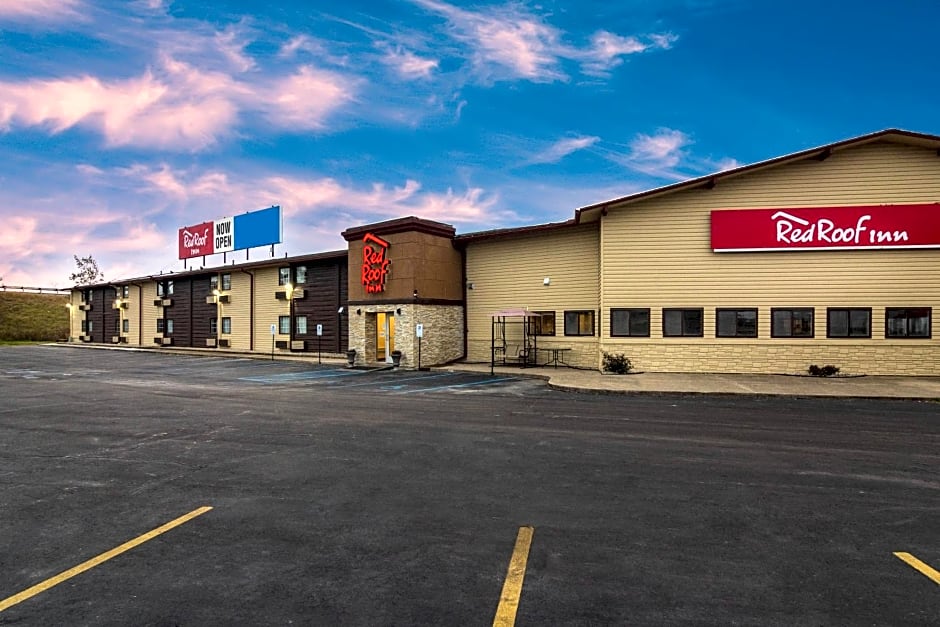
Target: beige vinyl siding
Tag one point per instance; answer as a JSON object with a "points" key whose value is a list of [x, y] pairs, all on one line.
{"points": [[239, 310], [148, 315], [268, 308], [132, 314], [509, 273], [657, 254]]}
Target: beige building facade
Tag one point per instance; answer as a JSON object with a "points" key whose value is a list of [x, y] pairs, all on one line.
{"points": [[828, 256]]}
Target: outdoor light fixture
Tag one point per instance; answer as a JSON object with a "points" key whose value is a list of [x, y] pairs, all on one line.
{"points": [[358, 312], [340, 310], [547, 281], [469, 286]]}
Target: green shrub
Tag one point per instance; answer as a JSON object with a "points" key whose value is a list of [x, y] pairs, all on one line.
{"points": [[617, 364]]}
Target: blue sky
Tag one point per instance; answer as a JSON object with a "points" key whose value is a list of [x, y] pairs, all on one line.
{"points": [[122, 121]]}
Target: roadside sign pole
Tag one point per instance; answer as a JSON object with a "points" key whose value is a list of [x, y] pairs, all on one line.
{"points": [[419, 331], [319, 338], [273, 333]]}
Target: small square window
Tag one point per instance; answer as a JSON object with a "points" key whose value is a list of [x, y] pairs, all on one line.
{"points": [[579, 322], [301, 325], [84, 326], [126, 291], [736, 322], [683, 322], [283, 324], [630, 322], [283, 276], [544, 324], [226, 282], [226, 326], [792, 322], [213, 283], [300, 275], [213, 326], [126, 324], [169, 288], [160, 325], [848, 322], [907, 322]]}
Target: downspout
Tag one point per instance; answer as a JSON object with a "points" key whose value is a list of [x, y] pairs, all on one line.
{"points": [[251, 310], [463, 278]]}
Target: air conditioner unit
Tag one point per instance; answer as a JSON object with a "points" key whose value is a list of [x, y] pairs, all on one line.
{"points": [[281, 343], [115, 339], [225, 299], [210, 342], [210, 300], [298, 345], [225, 343], [167, 302], [158, 340], [84, 307], [123, 339], [158, 302], [298, 294], [85, 338], [280, 295], [117, 305], [166, 341]]}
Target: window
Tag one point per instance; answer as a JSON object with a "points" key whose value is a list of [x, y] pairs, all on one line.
{"points": [[283, 323], [300, 324], [848, 322], [169, 326], [683, 322], [117, 326], [169, 288], [791, 322], [283, 276], [84, 326], [226, 326], [544, 324], [736, 322], [300, 275], [226, 282], [907, 322], [213, 283], [213, 326], [629, 322], [161, 292], [87, 296], [126, 326], [126, 291], [91, 326], [159, 325], [579, 323]]}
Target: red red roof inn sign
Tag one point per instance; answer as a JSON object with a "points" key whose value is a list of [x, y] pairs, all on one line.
{"points": [[828, 228]]}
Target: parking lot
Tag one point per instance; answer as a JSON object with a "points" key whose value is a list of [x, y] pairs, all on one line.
{"points": [[397, 497]]}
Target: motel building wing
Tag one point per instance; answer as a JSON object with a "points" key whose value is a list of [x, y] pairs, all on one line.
{"points": [[828, 256]]}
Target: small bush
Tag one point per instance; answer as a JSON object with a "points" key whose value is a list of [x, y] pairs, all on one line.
{"points": [[825, 371], [617, 364]]}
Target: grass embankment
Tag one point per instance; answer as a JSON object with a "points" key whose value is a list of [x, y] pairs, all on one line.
{"points": [[33, 317]]}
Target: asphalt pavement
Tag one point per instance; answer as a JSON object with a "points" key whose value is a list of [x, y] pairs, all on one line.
{"points": [[397, 497]]}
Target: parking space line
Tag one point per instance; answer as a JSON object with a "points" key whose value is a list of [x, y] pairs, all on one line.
{"points": [[95, 561], [458, 385], [387, 381], [306, 375], [512, 587], [919, 566]]}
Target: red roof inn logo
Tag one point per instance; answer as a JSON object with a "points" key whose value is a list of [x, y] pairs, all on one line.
{"points": [[830, 228], [375, 263]]}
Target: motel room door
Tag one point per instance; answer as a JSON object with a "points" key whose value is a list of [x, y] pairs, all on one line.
{"points": [[385, 336]]}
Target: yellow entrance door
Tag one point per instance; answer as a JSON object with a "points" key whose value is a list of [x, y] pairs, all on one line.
{"points": [[385, 336]]}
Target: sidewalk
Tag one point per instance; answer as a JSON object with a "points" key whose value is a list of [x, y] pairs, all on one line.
{"points": [[872, 386]]}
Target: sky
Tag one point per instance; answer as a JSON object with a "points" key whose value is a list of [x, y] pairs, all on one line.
{"points": [[122, 121]]}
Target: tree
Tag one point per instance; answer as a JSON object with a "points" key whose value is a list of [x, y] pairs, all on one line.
{"points": [[88, 271]]}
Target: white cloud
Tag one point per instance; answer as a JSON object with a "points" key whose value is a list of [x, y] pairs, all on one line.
{"points": [[562, 148], [42, 10], [510, 42], [409, 65], [175, 106], [608, 49]]}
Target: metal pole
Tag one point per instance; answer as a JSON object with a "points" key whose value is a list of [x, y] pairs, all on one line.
{"points": [[318, 349]]}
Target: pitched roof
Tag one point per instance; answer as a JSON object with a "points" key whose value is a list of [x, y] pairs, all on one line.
{"points": [[591, 212]]}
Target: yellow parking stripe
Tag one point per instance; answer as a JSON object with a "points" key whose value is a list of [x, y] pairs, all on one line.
{"points": [[95, 561], [512, 587], [919, 566]]}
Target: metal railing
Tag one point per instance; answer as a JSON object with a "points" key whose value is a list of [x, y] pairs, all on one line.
{"points": [[34, 290]]}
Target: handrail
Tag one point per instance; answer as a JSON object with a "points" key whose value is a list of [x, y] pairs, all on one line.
{"points": [[35, 290]]}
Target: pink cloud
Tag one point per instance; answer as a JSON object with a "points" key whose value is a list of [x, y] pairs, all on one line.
{"points": [[409, 65], [42, 10], [307, 98]]}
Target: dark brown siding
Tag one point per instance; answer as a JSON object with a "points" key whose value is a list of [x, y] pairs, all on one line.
{"points": [[180, 312], [202, 312], [111, 314], [324, 293], [97, 314]]}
